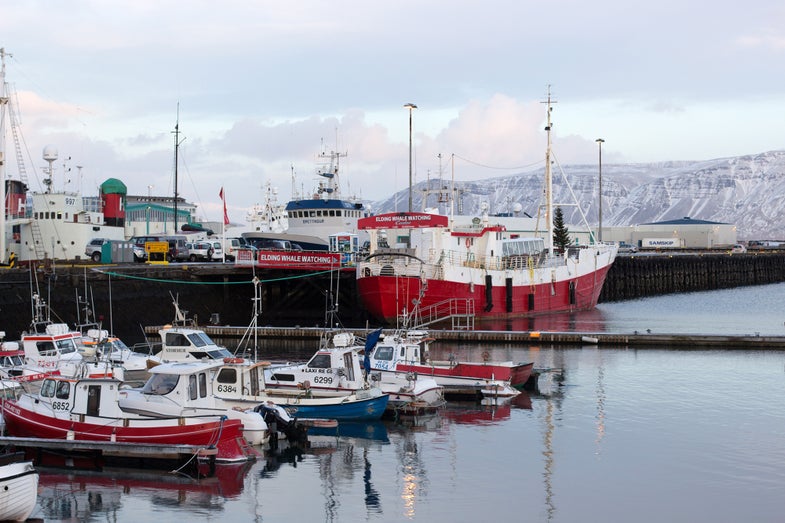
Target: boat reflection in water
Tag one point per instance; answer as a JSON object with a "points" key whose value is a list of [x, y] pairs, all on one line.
{"points": [[84, 495]]}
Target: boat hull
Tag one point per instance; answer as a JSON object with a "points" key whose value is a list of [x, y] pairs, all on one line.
{"points": [[386, 297], [18, 490], [225, 434], [369, 409]]}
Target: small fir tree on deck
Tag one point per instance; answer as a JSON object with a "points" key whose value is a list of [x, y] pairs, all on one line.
{"points": [[561, 235]]}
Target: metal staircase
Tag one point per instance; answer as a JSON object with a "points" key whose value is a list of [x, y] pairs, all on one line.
{"points": [[459, 311]]}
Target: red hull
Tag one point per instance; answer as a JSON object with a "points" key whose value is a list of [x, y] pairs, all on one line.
{"points": [[226, 435], [386, 297], [517, 375]]}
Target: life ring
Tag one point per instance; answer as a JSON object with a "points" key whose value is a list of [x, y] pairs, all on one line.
{"points": [[233, 360], [486, 355]]}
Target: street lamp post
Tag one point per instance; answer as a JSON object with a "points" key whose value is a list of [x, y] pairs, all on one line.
{"points": [[600, 141], [410, 106]]}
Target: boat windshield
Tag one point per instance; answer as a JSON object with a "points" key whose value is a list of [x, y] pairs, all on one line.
{"points": [[320, 361], [66, 346], [200, 339], [160, 384], [384, 353]]}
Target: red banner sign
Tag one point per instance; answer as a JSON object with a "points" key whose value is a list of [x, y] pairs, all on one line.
{"points": [[403, 220]]}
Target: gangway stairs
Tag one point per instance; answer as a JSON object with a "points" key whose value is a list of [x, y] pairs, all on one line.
{"points": [[459, 311]]}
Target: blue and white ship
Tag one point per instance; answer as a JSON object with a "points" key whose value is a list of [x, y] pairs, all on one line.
{"points": [[312, 219]]}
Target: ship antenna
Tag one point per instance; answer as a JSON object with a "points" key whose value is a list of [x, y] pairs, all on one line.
{"points": [[548, 176]]}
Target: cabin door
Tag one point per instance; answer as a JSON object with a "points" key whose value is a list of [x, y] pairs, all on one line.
{"points": [[93, 400], [348, 365]]}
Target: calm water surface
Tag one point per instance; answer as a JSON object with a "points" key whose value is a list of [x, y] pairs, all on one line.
{"points": [[646, 435]]}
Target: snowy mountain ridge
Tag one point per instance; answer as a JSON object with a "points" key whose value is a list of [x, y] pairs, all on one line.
{"points": [[748, 191]]}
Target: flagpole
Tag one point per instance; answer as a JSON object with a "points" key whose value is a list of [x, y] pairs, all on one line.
{"points": [[223, 227]]}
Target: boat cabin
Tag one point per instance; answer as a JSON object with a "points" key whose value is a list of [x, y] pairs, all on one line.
{"points": [[94, 397], [187, 344], [394, 349]]}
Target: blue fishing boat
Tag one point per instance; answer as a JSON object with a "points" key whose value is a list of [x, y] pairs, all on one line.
{"points": [[362, 405]]}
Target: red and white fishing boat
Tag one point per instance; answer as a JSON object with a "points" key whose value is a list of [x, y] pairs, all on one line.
{"points": [[89, 409], [428, 262], [407, 352]]}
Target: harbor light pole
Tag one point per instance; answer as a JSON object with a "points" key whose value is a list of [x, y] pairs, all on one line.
{"points": [[600, 141], [410, 106]]}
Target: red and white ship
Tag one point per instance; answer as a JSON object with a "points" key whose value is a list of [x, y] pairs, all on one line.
{"points": [[427, 265]]}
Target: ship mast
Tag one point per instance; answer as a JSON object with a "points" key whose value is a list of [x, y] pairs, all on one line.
{"points": [[176, 133], [3, 103], [548, 179]]}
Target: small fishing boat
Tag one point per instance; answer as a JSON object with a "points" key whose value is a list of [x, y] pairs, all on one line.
{"points": [[337, 370], [238, 383], [18, 487], [89, 409], [407, 351]]}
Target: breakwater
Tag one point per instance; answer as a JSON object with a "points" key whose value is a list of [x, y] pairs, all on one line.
{"points": [[126, 298], [642, 275]]}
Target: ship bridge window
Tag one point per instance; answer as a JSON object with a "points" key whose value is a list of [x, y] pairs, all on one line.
{"points": [[384, 353], [320, 361]]}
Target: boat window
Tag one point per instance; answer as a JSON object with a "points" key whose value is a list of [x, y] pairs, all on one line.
{"points": [[48, 389], [218, 354], [348, 366], [320, 361], [202, 385], [197, 339], [192, 390], [227, 375], [9, 393], [175, 339], [45, 348], [66, 346], [160, 384], [63, 390], [384, 353]]}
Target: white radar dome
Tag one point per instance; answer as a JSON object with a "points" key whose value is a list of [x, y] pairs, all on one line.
{"points": [[50, 153]]}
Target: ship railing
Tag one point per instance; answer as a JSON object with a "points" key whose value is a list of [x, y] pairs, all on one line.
{"points": [[460, 311]]}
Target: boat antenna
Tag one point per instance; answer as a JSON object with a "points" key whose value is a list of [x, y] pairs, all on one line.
{"points": [[548, 178], [177, 143]]}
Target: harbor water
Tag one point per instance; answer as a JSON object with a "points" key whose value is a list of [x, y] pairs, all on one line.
{"points": [[625, 434]]}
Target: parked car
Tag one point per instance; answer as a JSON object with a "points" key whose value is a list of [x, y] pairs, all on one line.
{"points": [[200, 251], [738, 248], [218, 253], [177, 247], [626, 247], [94, 247]]}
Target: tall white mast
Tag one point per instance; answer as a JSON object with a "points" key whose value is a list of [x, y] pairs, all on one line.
{"points": [[548, 178], [3, 105]]}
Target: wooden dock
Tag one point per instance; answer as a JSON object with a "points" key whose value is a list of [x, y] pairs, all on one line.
{"points": [[637, 339], [96, 454]]}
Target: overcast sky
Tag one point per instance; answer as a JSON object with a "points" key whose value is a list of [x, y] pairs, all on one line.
{"points": [[263, 87]]}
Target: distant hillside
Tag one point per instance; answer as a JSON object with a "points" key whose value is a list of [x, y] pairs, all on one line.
{"points": [[748, 191]]}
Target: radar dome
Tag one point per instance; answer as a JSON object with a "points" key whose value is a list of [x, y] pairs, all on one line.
{"points": [[517, 208], [50, 153]]}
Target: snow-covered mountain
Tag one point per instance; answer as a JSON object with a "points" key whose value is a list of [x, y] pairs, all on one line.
{"points": [[748, 191]]}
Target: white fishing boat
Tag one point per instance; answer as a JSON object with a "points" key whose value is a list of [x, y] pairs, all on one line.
{"points": [[18, 487], [337, 370]]}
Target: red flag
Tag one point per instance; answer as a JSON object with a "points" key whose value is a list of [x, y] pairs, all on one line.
{"points": [[226, 216]]}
